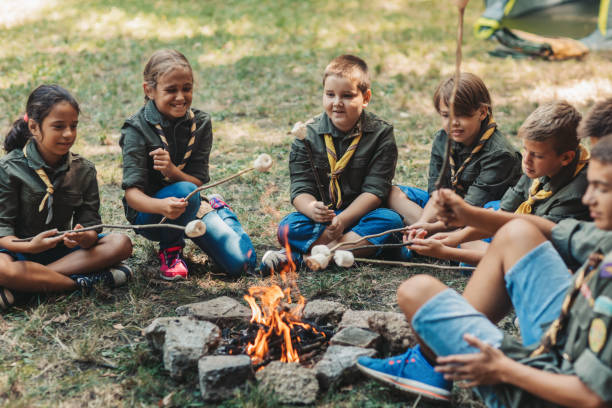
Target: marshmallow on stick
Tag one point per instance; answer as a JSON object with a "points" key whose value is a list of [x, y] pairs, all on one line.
{"points": [[193, 229], [262, 163]]}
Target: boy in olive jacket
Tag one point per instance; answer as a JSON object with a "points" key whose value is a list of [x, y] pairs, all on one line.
{"points": [[341, 171], [565, 357]]}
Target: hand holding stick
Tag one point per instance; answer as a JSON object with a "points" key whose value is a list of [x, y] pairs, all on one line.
{"points": [[262, 164], [195, 228]]}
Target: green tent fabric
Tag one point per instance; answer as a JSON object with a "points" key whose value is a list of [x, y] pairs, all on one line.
{"points": [[563, 18]]}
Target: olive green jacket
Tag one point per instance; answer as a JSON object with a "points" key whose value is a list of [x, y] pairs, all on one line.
{"points": [[487, 176], [138, 139], [370, 170], [566, 201], [584, 347], [76, 198]]}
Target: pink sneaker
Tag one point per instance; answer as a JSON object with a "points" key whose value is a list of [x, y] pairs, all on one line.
{"points": [[172, 265]]}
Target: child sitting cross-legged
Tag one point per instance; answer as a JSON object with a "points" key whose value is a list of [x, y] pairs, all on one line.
{"points": [[341, 171], [565, 356], [552, 185], [483, 163], [45, 188]]}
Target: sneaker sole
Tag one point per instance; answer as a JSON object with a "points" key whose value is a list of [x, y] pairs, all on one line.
{"points": [[172, 278], [410, 386]]}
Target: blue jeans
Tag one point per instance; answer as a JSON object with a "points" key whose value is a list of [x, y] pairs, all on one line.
{"points": [[303, 231], [537, 298], [225, 240], [415, 194]]}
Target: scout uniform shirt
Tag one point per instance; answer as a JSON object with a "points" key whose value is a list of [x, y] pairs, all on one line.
{"points": [[584, 346], [370, 170], [487, 176], [566, 201], [138, 139], [76, 198]]}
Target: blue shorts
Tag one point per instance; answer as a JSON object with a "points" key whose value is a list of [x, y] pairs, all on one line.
{"points": [[536, 284], [416, 195], [303, 232], [45, 257]]}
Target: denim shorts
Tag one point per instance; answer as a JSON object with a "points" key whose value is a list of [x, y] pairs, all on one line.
{"points": [[302, 231], [416, 195], [536, 284], [45, 257]]}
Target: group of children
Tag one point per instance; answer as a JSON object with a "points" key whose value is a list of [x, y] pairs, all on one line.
{"points": [[342, 173]]}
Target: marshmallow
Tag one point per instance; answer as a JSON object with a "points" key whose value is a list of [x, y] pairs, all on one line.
{"points": [[263, 162], [344, 259], [317, 262], [321, 249], [195, 228]]}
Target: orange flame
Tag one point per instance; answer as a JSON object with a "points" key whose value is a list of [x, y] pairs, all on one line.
{"points": [[275, 316]]}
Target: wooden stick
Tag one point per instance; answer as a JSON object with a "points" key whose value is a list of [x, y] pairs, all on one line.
{"points": [[216, 183], [458, 55], [94, 227], [332, 249], [423, 265]]}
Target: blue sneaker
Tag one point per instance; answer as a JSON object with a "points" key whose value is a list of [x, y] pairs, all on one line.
{"points": [[409, 372], [405, 254]]}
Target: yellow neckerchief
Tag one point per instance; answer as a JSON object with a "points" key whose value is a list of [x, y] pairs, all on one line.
{"points": [[534, 195], [582, 277], [486, 135], [162, 136], [48, 198], [338, 166]]}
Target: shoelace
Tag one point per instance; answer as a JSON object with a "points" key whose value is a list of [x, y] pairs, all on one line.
{"points": [[171, 257]]}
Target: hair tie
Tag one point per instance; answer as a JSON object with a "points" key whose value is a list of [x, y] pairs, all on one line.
{"points": [[25, 117]]}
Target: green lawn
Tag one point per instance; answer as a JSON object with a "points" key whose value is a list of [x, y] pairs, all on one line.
{"points": [[258, 67]]}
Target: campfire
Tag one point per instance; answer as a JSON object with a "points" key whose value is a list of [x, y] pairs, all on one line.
{"points": [[277, 330]]}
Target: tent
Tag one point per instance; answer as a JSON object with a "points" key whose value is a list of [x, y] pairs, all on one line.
{"points": [[589, 21]]}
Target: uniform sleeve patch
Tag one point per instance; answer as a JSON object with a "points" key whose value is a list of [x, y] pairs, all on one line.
{"points": [[606, 271], [597, 335]]}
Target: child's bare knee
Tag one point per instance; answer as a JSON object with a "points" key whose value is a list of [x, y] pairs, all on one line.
{"points": [[518, 230], [121, 245], [417, 290]]}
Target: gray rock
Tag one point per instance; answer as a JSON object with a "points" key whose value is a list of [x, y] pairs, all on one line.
{"points": [[355, 336], [186, 340], [222, 376], [323, 311], [338, 365], [223, 311], [155, 333], [394, 329], [356, 318], [289, 382]]}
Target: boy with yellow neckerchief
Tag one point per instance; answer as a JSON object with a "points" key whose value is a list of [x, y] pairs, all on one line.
{"points": [[552, 185], [564, 357], [341, 171]]}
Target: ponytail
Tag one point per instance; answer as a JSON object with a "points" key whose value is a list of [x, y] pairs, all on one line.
{"points": [[18, 136]]}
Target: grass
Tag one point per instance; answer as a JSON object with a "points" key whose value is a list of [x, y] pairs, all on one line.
{"points": [[258, 65]]}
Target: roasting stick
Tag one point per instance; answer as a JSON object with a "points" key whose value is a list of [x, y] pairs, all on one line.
{"points": [[193, 229], [262, 164]]}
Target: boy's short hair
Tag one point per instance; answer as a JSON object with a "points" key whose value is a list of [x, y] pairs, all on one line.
{"points": [[555, 121], [351, 67], [598, 122], [602, 151], [471, 95]]}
